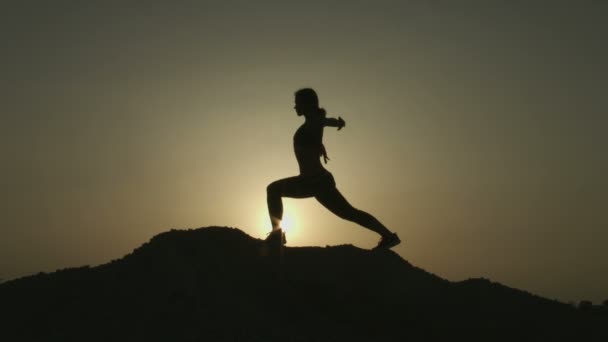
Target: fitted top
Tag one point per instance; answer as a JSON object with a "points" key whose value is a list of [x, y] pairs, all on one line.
{"points": [[308, 146]]}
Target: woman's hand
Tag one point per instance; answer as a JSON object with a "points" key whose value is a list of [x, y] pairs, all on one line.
{"points": [[341, 123]]}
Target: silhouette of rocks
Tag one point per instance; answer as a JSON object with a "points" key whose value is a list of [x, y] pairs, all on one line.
{"points": [[219, 284]]}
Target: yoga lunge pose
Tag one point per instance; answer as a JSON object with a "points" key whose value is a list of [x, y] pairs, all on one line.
{"points": [[314, 180]]}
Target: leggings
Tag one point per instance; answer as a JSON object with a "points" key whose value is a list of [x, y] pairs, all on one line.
{"points": [[323, 188]]}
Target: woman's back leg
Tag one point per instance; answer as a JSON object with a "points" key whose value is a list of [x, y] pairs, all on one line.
{"points": [[333, 200]]}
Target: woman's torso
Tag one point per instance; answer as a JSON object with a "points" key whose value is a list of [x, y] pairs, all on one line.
{"points": [[307, 144]]}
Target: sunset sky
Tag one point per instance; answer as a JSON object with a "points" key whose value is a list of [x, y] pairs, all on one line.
{"points": [[477, 130]]}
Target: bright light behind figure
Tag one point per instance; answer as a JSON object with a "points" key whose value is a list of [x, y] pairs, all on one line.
{"points": [[289, 223]]}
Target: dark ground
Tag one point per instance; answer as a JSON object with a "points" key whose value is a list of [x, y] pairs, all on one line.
{"points": [[219, 284]]}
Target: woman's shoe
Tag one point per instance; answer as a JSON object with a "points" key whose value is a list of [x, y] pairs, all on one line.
{"points": [[388, 241], [276, 236]]}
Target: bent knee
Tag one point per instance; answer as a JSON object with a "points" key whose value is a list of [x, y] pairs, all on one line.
{"points": [[274, 189]]}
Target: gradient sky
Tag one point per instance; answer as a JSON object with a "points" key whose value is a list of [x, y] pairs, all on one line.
{"points": [[475, 129]]}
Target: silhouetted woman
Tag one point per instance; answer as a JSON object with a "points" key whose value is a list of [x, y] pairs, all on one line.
{"points": [[314, 180]]}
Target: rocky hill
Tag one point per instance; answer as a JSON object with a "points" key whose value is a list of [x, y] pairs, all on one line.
{"points": [[219, 284]]}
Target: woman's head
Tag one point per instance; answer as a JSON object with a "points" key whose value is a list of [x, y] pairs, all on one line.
{"points": [[307, 101]]}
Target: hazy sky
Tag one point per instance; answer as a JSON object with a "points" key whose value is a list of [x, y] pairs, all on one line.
{"points": [[476, 130]]}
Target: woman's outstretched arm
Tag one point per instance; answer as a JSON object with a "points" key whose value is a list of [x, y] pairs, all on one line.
{"points": [[333, 122]]}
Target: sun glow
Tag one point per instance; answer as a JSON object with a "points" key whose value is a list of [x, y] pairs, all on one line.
{"points": [[289, 224]]}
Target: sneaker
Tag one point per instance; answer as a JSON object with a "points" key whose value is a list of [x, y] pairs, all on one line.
{"points": [[275, 236], [388, 241]]}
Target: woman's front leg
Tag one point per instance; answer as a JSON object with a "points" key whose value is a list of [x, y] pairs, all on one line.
{"points": [[293, 187]]}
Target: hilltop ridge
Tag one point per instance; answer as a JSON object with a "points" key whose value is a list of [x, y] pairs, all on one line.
{"points": [[218, 283]]}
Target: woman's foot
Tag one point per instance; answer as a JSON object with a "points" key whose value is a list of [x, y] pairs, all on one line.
{"points": [[388, 241], [276, 236]]}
